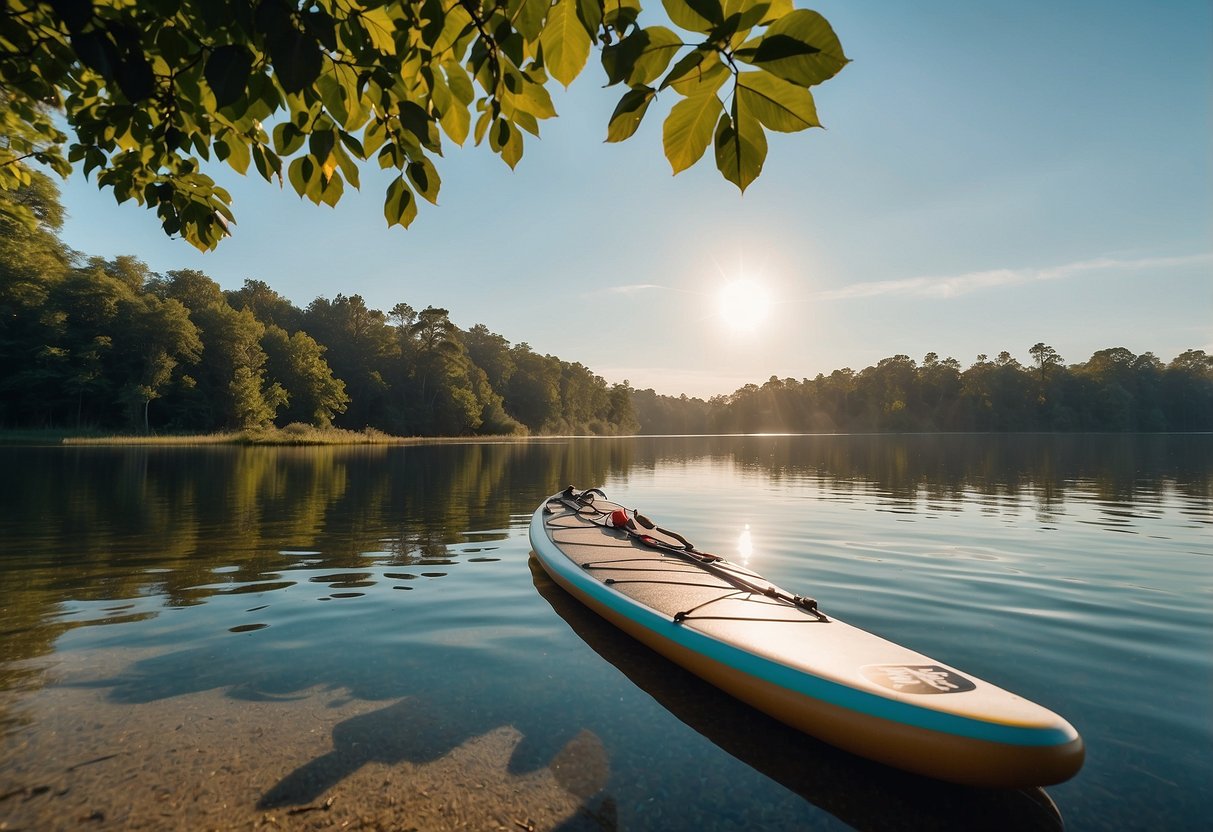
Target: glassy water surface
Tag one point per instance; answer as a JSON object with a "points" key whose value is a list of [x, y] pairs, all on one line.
{"points": [[299, 638]]}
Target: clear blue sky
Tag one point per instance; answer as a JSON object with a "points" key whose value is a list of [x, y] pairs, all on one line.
{"points": [[991, 175]]}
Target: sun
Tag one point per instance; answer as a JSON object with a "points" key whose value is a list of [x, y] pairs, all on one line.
{"points": [[743, 305]]}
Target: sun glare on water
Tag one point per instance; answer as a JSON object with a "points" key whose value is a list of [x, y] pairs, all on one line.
{"points": [[744, 305]]}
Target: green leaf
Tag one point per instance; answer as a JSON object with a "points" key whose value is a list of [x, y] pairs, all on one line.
{"points": [[566, 46], [415, 120], [776, 10], [400, 207], [482, 125], [532, 98], [267, 163], [238, 156], [528, 18], [746, 7], [348, 166], [687, 64], [263, 97], [352, 143], [424, 177], [505, 139], [703, 78], [373, 137], [511, 152], [524, 120], [227, 72], [641, 56], [456, 27], [135, 79], [351, 94], [799, 47], [590, 12], [459, 82], [97, 52], [687, 131], [740, 16], [315, 178], [296, 57], [174, 45], [389, 156], [741, 148], [297, 175], [456, 119], [778, 104], [381, 29], [440, 93], [331, 190], [695, 15], [320, 144], [620, 14], [332, 95], [628, 113], [287, 138], [770, 49]]}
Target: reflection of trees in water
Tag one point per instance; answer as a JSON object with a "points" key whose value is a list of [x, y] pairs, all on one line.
{"points": [[93, 524], [949, 468], [116, 512]]}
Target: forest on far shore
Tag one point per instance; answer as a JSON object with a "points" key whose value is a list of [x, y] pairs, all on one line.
{"points": [[1113, 390], [88, 343]]}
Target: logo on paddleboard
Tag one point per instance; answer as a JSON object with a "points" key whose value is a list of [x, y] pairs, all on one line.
{"points": [[917, 678]]}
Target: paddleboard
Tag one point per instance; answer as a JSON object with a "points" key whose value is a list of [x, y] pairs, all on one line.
{"points": [[780, 653]]}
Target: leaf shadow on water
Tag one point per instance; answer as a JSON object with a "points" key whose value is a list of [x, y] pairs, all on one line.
{"points": [[864, 794]]}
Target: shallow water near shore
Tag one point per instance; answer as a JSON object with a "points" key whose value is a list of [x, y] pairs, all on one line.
{"points": [[297, 638]]}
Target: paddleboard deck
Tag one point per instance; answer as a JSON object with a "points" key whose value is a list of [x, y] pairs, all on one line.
{"points": [[779, 653]]}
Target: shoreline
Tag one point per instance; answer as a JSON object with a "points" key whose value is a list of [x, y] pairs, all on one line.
{"points": [[302, 436], [288, 436]]}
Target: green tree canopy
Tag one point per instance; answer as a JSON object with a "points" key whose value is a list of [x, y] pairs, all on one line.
{"points": [[296, 363], [31, 253], [306, 90], [228, 386], [360, 350], [269, 306]]}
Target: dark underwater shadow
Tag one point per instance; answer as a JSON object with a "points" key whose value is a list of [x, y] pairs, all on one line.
{"points": [[861, 793], [418, 730], [432, 704], [410, 730]]}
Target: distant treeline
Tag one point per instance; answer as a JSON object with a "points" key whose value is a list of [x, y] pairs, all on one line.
{"points": [[107, 344], [1114, 390], [89, 342]]}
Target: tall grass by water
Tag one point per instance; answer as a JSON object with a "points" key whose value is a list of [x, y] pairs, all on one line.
{"points": [[292, 434]]}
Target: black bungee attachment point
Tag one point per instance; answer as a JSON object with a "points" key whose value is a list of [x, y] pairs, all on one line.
{"points": [[806, 603]]}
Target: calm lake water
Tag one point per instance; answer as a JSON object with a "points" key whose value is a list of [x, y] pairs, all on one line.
{"points": [[295, 638]]}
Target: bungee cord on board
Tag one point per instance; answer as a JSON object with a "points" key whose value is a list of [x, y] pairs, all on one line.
{"points": [[632, 524]]}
